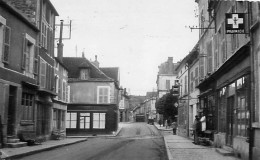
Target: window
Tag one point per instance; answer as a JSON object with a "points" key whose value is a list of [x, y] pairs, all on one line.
{"points": [[58, 119], [168, 85], [210, 56], [44, 35], [99, 120], [64, 90], [242, 111], [7, 35], [27, 107], [43, 73], [55, 118], [56, 83], [30, 56], [103, 94], [84, 120], [222, 110], [2, 26], [71, 120], [186, 85], [84, 73]]}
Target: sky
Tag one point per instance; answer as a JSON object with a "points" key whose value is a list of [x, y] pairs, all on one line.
{"points": [[134, 35]]}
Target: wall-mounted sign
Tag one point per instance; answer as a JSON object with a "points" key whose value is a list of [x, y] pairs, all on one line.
{"points": [[235, 23]]}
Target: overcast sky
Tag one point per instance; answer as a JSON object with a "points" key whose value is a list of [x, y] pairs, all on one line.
{"points": [[134, 35]]}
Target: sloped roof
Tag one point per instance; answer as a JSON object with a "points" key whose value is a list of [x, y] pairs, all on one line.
{"points": [[74, 64], [112, 72]]}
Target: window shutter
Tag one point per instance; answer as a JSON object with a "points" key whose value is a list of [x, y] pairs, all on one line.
{"points": [[7, 33], [25, 41], [36, 63]]}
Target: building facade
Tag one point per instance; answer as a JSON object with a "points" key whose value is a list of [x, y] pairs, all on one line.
{"points": [[226, 75], [18, 84], [93, 106], [26, 80], [166, 77]]}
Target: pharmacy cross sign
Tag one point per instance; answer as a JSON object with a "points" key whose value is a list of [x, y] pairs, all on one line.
{"points": [[235, 23]]}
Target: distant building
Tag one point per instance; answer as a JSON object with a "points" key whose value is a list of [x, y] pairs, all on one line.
{"points": [[124, 110], [93, 106], [166, 77]]}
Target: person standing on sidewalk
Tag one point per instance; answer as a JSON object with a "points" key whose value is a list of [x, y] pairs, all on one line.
{"points": [[174, 127], [203, 124], [196, 129]]}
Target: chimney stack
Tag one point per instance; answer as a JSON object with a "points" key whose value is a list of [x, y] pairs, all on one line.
{"points": [[60, 44], [96, 63]]}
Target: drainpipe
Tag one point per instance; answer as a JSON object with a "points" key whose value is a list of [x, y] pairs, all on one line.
{"points": [[188, 129], [252, 88]]}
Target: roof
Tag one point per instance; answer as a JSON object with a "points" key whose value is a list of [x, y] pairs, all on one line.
{"points": [[112, 72], [74, 64], [151, 94]]}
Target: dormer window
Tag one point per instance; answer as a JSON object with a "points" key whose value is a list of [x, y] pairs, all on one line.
{"points": [[84, 73]]}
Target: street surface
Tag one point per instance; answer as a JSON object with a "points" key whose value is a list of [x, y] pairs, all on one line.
{"points": [[136, 141]]}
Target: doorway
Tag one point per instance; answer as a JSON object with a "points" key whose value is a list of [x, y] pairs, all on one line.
{"points": [[230, 120], [11, 111]]}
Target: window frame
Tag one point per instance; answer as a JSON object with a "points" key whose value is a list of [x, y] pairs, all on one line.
{"points": [[103, 101], [41, 74], [99, 121], [27, 110], [6, 54]]}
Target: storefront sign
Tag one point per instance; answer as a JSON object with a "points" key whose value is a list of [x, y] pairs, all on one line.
{"points": [[235, 23]]}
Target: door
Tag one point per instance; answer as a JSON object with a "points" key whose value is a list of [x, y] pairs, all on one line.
{"points": [[11, 111], [230, 120]]}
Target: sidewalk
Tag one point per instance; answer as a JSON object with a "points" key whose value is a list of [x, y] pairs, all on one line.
{"points": [[180, 148], [10, 153]]}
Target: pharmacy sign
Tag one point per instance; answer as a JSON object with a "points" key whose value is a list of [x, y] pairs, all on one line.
{"points": [[235, 23]]}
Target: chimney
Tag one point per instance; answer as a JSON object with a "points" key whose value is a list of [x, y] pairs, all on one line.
{"points": [[96, 63], [170, 59], [60, 44]]}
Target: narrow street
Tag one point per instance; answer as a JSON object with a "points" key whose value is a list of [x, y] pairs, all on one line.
{"points": [[135, 141]]}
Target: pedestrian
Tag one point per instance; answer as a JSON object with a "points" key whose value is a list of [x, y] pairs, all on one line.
{"points": [[174, 127], [160, 122], [196, 129], [168, 122], [203, 123]]}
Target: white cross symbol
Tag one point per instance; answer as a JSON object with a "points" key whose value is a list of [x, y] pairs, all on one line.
{"points": [[235, 21]]}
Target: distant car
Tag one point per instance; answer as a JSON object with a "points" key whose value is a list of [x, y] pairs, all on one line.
{"points": [[150, 121]]}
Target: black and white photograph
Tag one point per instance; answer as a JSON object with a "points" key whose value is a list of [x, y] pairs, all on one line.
{"points": [[129, 80]]}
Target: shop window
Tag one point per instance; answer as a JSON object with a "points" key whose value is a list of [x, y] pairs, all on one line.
{"points": [[99, 120], [27, 107], [242, 112], [71, 120]]}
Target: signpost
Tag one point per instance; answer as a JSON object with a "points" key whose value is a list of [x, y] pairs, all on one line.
{"points": [[235, 23]]}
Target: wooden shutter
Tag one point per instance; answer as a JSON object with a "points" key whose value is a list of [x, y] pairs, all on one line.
{"points": [[7, 33], [36, 62], [25, 41], [209, 55]]}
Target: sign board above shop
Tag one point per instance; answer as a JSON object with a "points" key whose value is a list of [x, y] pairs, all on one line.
{"points": [[235, 23]]}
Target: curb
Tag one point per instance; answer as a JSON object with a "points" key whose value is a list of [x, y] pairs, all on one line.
{"points": [[169, 155], [40, 150], [167, 149]]}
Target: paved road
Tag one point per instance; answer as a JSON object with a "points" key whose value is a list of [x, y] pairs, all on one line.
{"points": [[136, 141]]}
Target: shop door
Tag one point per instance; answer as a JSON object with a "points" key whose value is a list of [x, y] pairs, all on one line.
{"points": [[230, 120]]}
